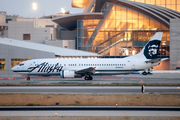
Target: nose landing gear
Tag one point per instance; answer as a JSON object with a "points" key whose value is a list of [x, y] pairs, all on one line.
{"points": [[28, 78]]}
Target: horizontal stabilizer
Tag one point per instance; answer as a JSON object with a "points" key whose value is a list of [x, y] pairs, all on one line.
{"points": [[156, 60], [164, 59], [153, 60]]}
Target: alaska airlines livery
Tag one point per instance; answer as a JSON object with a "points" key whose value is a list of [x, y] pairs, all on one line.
{"points": [[73, 68]]}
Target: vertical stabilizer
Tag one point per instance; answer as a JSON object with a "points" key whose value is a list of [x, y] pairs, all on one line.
{"points": [[150, 50]]}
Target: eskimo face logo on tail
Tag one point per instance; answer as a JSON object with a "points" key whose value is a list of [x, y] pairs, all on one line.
{"points": [[151, 49]]}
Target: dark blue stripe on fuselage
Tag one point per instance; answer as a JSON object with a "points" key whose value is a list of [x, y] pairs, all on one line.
{"points": [[20, 70]]}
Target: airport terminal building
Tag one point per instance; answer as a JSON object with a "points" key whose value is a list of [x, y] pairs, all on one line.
{"points": [[106, 28], [120, 28]]}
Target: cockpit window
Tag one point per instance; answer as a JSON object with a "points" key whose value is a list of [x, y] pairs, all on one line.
{"points": [[21, 64]]}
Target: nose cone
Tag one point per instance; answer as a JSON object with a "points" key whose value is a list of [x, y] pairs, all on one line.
{"points": [[14, 68]]}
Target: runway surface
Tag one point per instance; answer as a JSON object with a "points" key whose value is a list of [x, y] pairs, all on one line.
{"points": [[90, 111], [173, 78], [93, 110], [90, 89]]}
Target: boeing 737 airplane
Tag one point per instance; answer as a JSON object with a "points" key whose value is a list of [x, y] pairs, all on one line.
{"points": [[73, 68]]}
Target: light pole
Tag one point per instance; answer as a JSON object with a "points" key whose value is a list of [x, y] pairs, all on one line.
{"points": [[34, 6], [63, 10]]}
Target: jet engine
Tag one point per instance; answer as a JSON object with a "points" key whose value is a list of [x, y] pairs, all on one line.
{"points": [[69, 74]]}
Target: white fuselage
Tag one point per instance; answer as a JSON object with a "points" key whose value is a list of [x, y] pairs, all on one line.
{"points": [[47, 67]]}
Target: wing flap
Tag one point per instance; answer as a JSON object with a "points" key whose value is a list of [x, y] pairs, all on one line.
{"points": [[90, 70]]}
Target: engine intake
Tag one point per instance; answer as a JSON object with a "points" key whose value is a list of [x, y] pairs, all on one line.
{"points": [[67, 73]]}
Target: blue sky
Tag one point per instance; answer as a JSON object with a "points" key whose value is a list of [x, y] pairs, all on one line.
{"points": [[45, 7]]}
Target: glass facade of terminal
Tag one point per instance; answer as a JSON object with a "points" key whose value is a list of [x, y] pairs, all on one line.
{"points": [[171, 4], [122, 32], [2, 64]]}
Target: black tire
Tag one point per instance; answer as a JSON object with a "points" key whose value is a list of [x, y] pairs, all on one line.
{"points": [[144, 73], [28, 78], [91, 78], [85, 78]]}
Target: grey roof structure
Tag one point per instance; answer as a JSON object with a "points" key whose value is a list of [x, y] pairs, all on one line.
{"points": [[158, 13], [69, 22], [58, 51]]}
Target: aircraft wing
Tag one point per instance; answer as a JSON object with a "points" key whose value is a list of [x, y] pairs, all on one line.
{"points": [[156, 60], [90, 70]]}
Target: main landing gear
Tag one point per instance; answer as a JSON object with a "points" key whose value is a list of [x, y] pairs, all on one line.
{"points": [[88, 77], [144, 73], [148, 71], [28, 78]]}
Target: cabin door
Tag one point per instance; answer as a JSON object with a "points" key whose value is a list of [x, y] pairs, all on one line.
{"points": [[32, 63]]}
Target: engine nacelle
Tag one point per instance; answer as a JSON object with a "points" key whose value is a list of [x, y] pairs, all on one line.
{"points": [[67, 73]]}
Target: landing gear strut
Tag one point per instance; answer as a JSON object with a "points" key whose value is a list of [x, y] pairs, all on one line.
{"points": [[28, 78], [88, 77]]}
